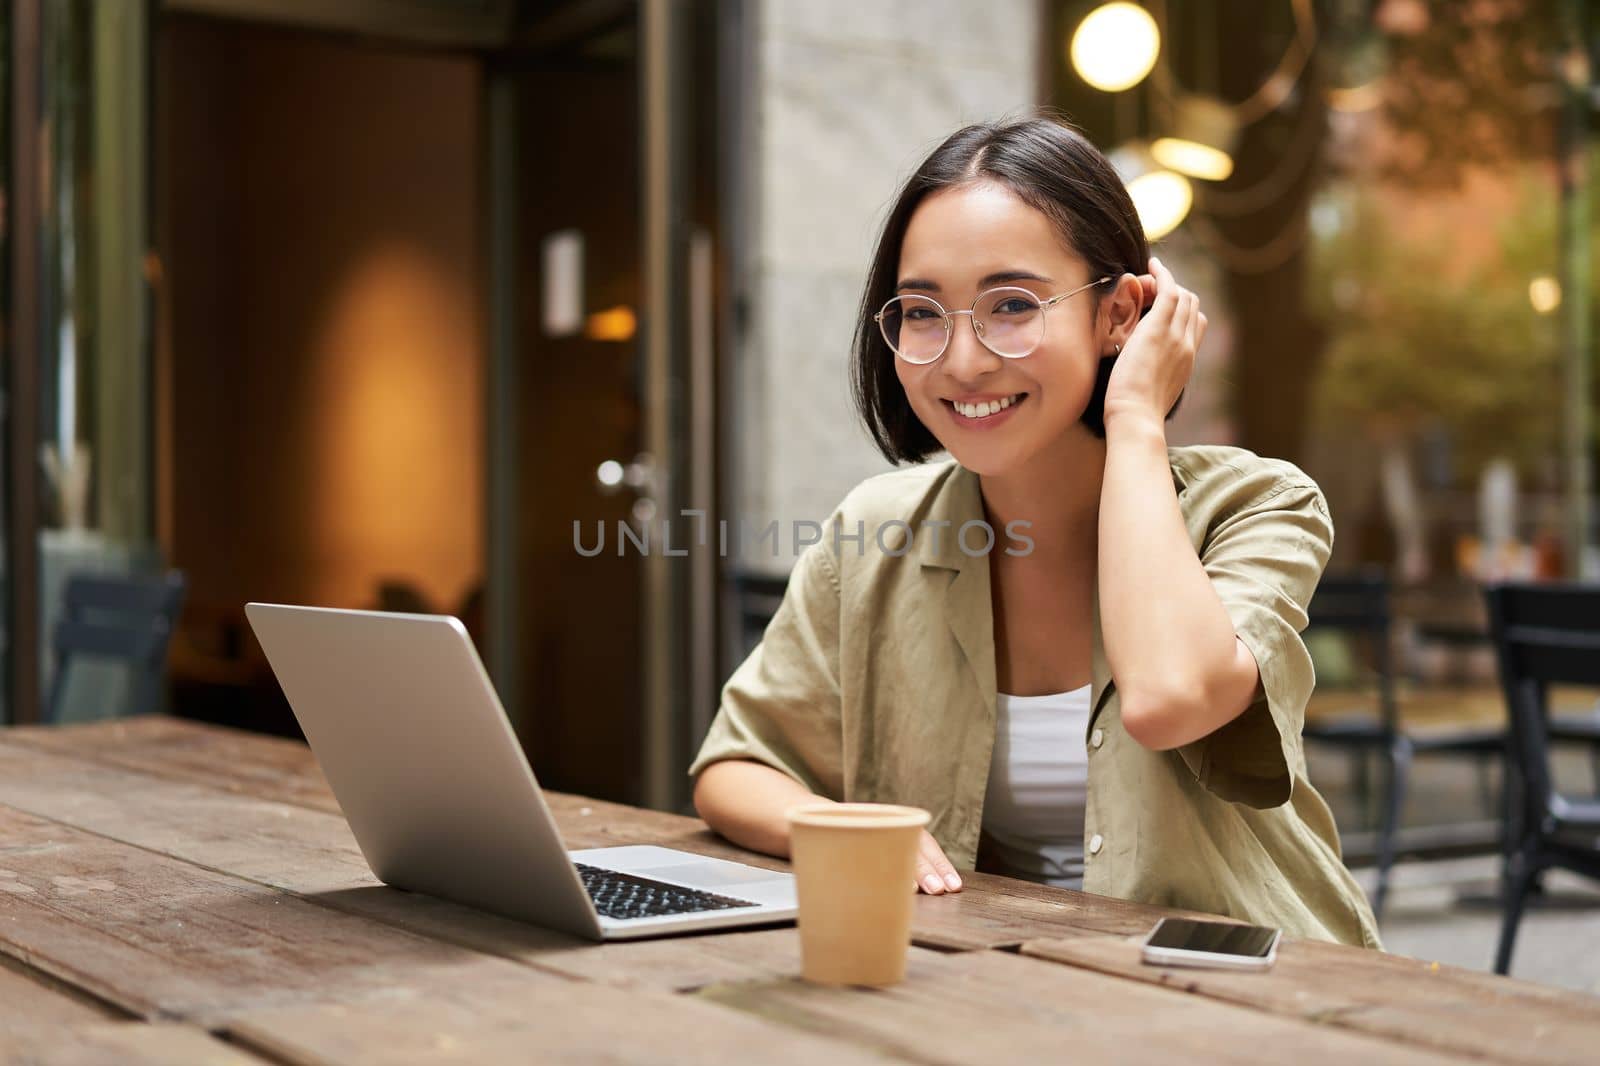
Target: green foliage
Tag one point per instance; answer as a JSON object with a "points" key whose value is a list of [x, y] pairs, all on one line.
{"points": [[1475, 88], [1418, 340]]}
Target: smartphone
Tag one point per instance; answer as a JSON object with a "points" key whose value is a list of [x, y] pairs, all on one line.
{"points": [[1224, 945]]}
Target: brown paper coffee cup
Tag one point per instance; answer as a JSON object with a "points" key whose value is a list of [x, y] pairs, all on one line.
{"points": [[855, 871]]}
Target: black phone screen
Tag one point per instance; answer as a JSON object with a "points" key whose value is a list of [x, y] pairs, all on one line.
{"points": [[1219, 938]]}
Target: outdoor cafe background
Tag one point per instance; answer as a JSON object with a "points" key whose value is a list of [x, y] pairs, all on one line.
{"points": [[363, 302]]}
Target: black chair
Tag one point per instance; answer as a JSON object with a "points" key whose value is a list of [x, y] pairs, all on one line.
{"points": [[1544, 634], [1358, 606], [122, 618]]}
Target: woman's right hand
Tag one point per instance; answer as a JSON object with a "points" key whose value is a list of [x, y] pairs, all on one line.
{"points": [[935, 875]]}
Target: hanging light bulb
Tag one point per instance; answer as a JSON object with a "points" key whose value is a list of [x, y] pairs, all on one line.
{"points": [[1202, 140], [1115, 46], [1161, 197], [612, 324], [1544, 293]]}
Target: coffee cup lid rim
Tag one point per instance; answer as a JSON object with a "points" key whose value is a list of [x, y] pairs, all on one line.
{"points": [[858, 815]]}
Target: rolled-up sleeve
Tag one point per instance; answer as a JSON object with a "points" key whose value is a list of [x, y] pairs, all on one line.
{"points": [[781, 707], [1265, 557]]}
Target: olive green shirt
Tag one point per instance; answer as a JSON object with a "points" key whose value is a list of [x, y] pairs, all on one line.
{"points": [[875, 681]]}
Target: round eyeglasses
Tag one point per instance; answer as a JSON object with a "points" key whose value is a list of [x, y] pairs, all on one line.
{"points": [[1009, 321]]}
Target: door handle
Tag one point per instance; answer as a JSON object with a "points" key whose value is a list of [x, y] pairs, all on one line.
{"points": [[637, 474]]}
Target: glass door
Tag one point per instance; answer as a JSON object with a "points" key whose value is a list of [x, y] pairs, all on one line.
{"points": [[602, 406]]}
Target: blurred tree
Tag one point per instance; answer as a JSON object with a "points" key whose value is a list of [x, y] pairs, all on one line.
{"points": [[1418, 341], [1255, 223], [1419, 338], [1463, 85], [1468, 85]]}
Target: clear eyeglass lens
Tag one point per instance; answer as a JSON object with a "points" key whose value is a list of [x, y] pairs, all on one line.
{"points": [[915, 328], [1009, 321]]}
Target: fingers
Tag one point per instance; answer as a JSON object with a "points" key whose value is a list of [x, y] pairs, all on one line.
{"points": [[1181, 308], [1177, 330], [1147, 290], [1174, 322], [935, 875], [1167, 292]]}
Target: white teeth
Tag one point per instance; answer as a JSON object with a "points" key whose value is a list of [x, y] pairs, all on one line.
{"points": [[983, 410]]}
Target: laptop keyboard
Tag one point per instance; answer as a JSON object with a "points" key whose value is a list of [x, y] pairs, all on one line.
{"points": [[623, 896]]}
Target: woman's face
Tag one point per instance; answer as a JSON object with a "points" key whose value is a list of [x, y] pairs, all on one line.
{"points": [[962, 241]]}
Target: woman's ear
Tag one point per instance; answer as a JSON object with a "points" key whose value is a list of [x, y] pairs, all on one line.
{"points": [[1129, 300]]}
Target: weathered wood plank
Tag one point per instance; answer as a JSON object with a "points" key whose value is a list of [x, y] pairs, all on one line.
{"points": [[123, 1044], [994, 1006], [311, 853], [254, 838], [268, 767], [1403, 999], [29, 1000], [166, 940], [286, 771], [273, 769], [228, 759], [1002, 912], [994, 911], [184, 806], [989, 912], [569, 1022]]}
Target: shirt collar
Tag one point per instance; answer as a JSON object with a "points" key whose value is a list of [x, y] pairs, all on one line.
{"points": [[968, 607]]}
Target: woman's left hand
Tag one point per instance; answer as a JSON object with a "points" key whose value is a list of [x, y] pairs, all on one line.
{"points": [[1158, 357]]}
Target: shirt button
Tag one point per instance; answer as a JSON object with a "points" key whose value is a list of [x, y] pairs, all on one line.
{"points": [[1097, 738], [1094, 844]]}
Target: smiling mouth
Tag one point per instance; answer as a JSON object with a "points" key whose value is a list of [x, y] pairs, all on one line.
{"points": [[978, 412]]}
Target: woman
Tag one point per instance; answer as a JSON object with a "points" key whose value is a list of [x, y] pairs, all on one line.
{"points": [[1108, 694]]}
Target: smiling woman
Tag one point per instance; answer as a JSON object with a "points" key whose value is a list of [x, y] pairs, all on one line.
{"points": [[1117, 708]]}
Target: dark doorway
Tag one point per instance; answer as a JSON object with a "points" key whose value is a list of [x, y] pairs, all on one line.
{"points": [[320, 344]]}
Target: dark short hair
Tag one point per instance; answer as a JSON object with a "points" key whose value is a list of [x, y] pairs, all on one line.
{"points": [[1051, 167]]}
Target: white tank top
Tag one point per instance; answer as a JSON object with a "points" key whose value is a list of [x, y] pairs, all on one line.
{"points": [[1038, 786]]}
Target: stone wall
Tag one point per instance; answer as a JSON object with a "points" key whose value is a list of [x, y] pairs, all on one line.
{"points": [[847, 98]]}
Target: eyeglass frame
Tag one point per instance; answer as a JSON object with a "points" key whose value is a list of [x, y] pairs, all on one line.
{"points": [[949, 327]]}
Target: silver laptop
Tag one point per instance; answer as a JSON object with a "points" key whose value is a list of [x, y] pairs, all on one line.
{"points": [[419, 753]]}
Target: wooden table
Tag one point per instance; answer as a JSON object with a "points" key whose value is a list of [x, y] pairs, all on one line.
{"points": [[176, 893]]}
